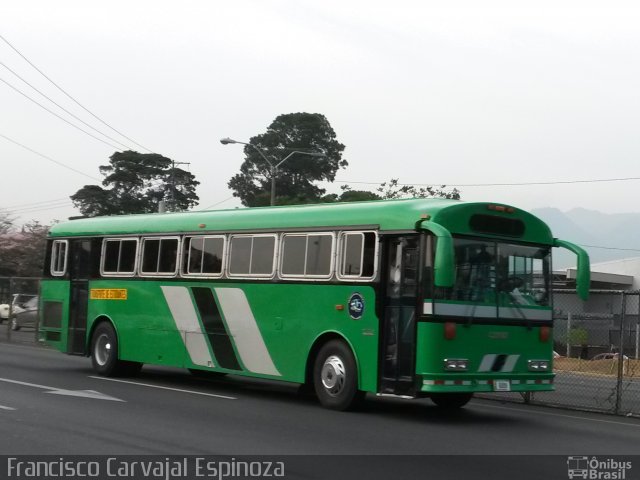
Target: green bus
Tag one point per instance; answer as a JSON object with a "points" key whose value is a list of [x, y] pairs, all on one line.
{"points": [[414, 298]]}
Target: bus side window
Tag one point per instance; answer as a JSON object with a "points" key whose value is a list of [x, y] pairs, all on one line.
{"points": [[203, 255], [252, 255], [159, 256], [59, 257], [358, 251], [306, 255], [119, 256]]}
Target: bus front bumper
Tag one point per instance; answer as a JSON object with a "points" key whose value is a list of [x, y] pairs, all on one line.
{"points": [[495, 383]]}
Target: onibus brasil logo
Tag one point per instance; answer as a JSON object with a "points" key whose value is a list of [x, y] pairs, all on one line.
{"points": [[596, 469]]}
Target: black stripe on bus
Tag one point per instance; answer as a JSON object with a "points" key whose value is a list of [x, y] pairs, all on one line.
{"points": [[215, 329]]}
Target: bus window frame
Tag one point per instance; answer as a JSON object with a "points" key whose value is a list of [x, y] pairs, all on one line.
{"points": [[251, 276], [497, 241], [340, 254], [186, 254], [105, 240], [173, 274], [54, 257], [305, 276]]}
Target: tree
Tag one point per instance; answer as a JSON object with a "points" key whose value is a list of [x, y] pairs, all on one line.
{"points": [[22, 253], [6, 223], [308, 132], [6, 240], [349, 195], [392, 189], [136, 183]]}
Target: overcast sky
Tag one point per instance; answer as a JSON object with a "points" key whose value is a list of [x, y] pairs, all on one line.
{"points": [[483, 92]]}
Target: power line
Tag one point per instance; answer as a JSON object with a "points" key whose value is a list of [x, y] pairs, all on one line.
{"points": [[64, 109], [43, 205], [40, 209], [56, 115], [37, 203], [69, 96], [49, 158], [559, 182], [216, 204], [613, 248]]}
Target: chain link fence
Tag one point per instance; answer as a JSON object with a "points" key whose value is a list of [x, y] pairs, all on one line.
{"points": [[19, 309], [596, 345]]}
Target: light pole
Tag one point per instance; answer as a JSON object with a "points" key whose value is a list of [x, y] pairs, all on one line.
{"points": [[273, 169]]}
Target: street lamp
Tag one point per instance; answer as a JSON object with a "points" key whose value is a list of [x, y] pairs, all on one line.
{"points": [[273, 168]]}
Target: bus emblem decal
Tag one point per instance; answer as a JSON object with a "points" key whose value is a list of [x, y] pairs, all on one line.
{"points": [[356, 306]]}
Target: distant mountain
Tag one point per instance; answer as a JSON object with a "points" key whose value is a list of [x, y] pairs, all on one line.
{"points": [[589, 229]]}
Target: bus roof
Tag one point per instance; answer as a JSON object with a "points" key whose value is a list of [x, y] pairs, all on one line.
{"points": [[403, 214]]}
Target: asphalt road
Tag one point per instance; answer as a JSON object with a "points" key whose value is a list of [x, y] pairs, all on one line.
{"points": [[53, 404]]}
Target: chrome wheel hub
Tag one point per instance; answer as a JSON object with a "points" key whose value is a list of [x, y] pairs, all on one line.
{"points": [[102, 350], [333, 375]]}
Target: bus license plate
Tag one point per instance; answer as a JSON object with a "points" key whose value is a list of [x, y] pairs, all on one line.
{"points": [[502, 385]]}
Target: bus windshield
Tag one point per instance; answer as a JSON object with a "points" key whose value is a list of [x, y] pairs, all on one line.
{"points": [[502, 274]]}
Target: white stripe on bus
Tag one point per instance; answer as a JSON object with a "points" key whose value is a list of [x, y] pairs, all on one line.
{"points": [[186, 319], [526, 313], [484, 311], [458, 310], [487, 362], [244, 331], [510, 363]]}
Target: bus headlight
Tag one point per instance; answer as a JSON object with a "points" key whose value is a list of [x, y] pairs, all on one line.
{"points": [[538, 365], [456, 364]]}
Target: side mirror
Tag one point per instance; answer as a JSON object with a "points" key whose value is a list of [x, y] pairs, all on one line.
{"points": [[444, 265], [583, 275]]}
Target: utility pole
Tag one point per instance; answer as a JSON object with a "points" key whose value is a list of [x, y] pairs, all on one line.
{"points": [[172, 199]]}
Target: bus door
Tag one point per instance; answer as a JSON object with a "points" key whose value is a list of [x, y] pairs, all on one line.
{"points": [[400, 285], [79, 270]]}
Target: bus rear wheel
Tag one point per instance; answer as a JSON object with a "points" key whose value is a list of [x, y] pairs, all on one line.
{"points": [[451, 401], [104, 353], [335, 377]]}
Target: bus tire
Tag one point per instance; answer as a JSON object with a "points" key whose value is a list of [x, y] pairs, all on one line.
{"points": [[104, 353], [335, 377], [451, 401]]}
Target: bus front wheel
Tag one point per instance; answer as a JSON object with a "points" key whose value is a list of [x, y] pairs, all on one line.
{"points": [[451, 400], [335, 377], [104, 353]]}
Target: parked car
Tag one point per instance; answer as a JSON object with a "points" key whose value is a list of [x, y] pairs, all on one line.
{"points": [[17, 305], [4, 312], [609, 356], [24, 311]]}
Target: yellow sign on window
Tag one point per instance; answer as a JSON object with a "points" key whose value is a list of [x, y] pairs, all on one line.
{"points": [[108, 294]]}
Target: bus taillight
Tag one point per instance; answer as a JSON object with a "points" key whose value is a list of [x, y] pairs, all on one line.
{"points": [[545, 332], [449, 330]]}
